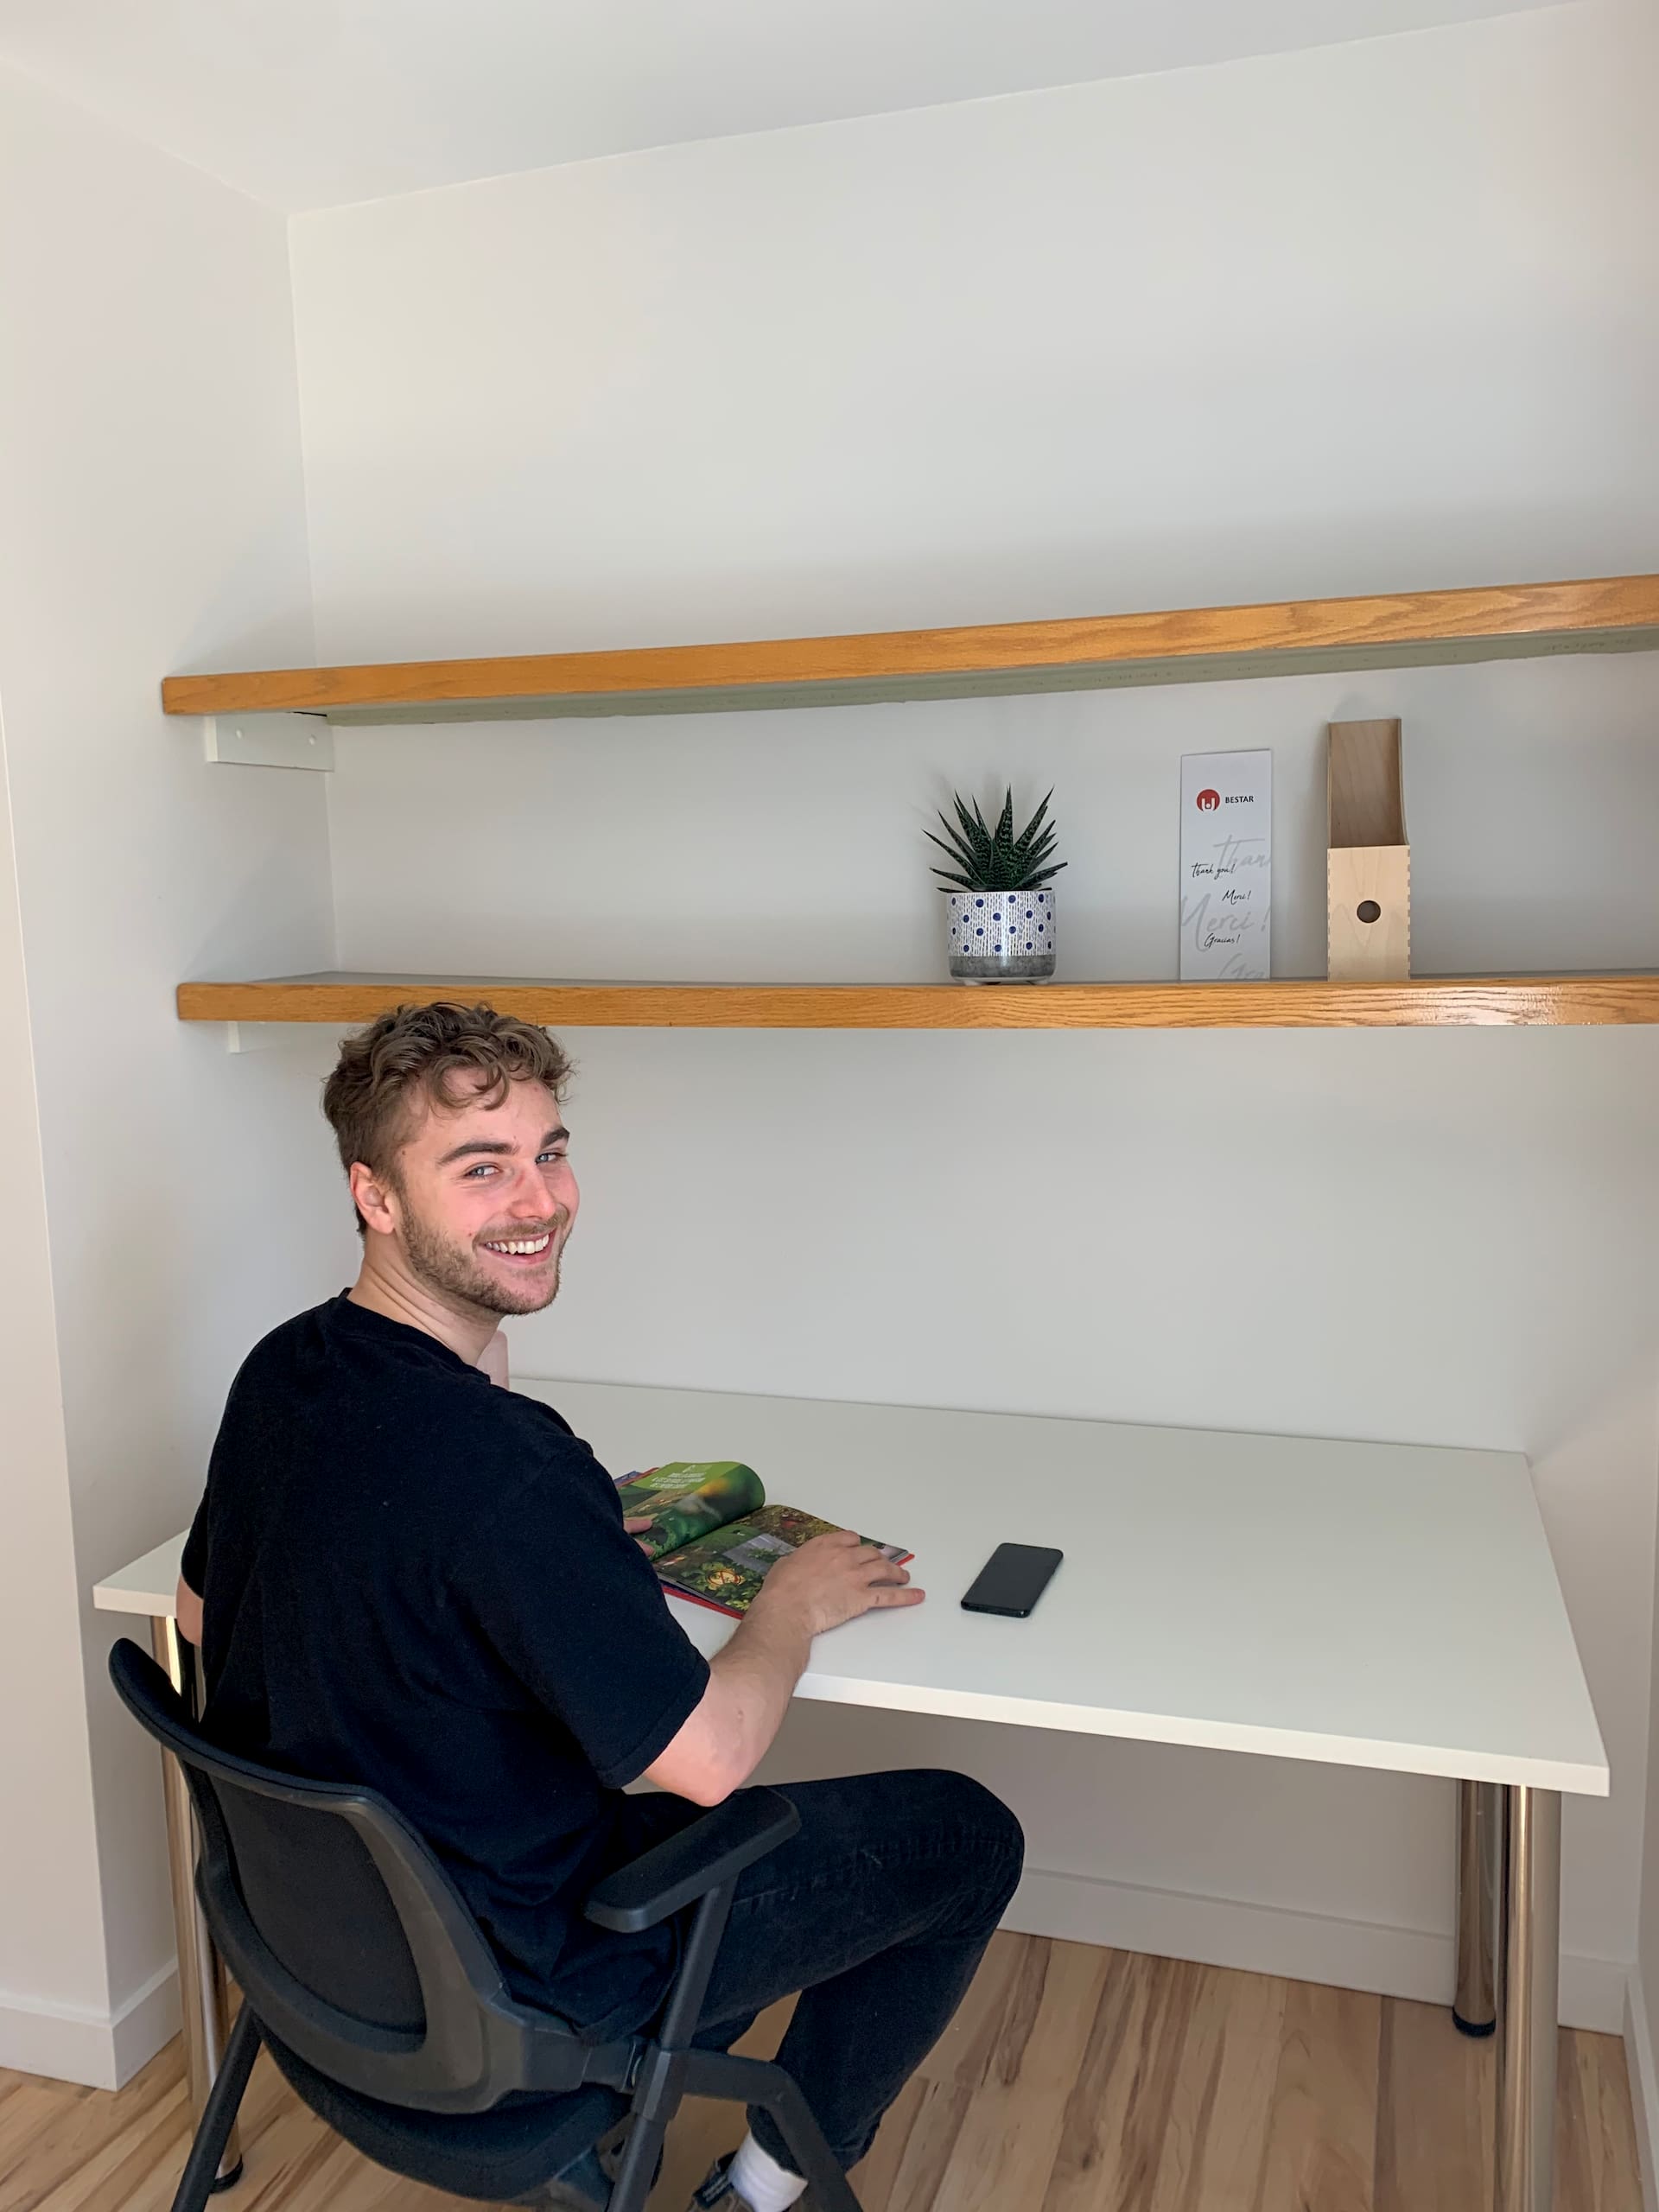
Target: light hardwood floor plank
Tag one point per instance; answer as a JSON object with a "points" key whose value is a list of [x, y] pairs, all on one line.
{"points": [[1596, 2160], [1072, 2080], [1217, 2132], [1321, 2147], [1436, 2122], [920, 2163], [28, 2112], [109, 2163], [1117, 2109], [1010, 2136]]}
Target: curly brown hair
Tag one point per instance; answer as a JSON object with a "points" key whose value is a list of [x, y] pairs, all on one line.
{"points": [[454, 1054]]}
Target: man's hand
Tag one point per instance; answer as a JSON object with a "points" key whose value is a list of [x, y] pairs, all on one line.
{"points": [[636, 1524], [831, 1579]]}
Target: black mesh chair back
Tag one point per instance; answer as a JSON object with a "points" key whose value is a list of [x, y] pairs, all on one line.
{"points": [[347, 1936]]}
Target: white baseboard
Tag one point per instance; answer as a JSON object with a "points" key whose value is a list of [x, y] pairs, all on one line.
{"points": [[1595, 1993], [1302, 1946], [70, 2044], [73, 2043], [1644, 2087]]}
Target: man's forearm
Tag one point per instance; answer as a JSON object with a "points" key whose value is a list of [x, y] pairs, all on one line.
{"points": [[750, 1683], [757, 1672]]}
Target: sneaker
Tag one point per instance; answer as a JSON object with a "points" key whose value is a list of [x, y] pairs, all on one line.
{"points": [[718, 2190]]}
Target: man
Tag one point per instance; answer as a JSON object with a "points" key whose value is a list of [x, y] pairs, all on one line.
{"points": [[412, 1579]]}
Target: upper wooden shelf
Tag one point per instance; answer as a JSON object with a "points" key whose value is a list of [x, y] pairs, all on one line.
{"points": [[1603, 614], [1440, 1002]]}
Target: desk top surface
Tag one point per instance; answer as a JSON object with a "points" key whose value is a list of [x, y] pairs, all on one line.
{"points": [[1362, 1604]]}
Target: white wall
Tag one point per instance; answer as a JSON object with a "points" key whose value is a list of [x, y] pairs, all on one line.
{"points": [[49, 1940], [1372, 317], [151, 513]]}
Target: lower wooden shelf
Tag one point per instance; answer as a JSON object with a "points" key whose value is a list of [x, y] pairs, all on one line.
{"points": [[1437, 1002]]}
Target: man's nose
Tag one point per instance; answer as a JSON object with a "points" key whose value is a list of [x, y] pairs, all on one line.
{"points": [[529, 1200]]}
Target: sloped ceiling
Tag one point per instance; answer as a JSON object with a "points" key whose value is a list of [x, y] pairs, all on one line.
{"points": [[309, 104]]}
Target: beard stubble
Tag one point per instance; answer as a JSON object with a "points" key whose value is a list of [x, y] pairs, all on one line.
{"points": [[454, 1271]]}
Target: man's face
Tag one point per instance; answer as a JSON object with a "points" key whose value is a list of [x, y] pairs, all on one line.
{"points": [[484, 1200]]}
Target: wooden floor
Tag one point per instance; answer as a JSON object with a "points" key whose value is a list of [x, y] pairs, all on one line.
{"points": [[1074, 2080]]}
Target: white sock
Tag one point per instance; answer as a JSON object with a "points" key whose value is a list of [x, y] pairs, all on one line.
{"points": [[761, 2180]]}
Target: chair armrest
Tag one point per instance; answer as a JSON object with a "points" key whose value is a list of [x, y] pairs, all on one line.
{"points": [[712, 1851]]}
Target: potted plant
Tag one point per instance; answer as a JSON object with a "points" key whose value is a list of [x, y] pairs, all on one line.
{"points": [[1001, 919]]}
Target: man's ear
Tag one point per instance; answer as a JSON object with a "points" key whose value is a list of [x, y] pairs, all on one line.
{"points": [[376, 1200]]}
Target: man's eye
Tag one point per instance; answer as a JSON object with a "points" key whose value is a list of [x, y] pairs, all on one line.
{"points": [[552, 1155], [484, 1167]]}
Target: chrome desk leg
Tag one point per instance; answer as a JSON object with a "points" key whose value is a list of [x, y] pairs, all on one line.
{"points": [[1480, 1853], [1527, 2029], [201, 1973]]}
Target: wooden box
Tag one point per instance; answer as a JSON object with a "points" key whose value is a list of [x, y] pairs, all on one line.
{"points": [[1367, 883]]}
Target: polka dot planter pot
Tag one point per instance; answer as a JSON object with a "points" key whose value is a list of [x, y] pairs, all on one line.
{"points": [[1002, 937]]}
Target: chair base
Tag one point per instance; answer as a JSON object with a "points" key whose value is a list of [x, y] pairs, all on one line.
{"points": [[470, 2157], [201, 2177]]}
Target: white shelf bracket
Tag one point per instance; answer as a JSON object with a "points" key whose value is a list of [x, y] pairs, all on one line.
{"points": [[256, 1036], [269, 741]]}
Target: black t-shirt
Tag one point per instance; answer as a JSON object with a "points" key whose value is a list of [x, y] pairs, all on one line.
{"points": [[415, 1580]]}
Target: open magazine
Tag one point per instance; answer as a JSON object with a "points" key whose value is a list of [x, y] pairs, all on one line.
{"points": [[713, 1537]]}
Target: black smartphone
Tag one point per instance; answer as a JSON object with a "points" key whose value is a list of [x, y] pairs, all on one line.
{"points": [[1012, 1579]]}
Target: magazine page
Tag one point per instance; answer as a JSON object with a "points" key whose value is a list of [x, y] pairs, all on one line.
{"points": [[685, 1498], [727, 1567]]}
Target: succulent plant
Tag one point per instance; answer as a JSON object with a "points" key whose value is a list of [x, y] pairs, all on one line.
{"points": [[996, 860]]}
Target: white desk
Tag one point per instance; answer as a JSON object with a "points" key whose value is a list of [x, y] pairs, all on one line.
{"points": [[1360, 1604]]}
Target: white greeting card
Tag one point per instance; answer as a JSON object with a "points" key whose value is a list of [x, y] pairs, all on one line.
{"points": [[1226, 867]]}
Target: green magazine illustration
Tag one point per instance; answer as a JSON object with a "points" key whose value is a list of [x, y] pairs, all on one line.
{"points": [[713, 1536], [686, 1498]]}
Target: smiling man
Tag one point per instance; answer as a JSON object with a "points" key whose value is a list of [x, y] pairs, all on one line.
{"points": [[414, 1580]]}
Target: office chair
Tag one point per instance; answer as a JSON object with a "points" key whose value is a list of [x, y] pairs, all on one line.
{"points": [[369, 1983]]}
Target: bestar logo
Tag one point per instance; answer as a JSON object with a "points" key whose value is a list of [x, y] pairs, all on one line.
{"points": [[1208, 802]]}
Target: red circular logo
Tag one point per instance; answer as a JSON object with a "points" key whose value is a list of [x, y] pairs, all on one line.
{"points": [[1208, 802]]}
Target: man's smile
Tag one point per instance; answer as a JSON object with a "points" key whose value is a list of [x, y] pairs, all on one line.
{"points": [[522, 1248]]}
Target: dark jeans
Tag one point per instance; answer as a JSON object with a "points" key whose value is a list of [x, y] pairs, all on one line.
{"points": [[879, 1911]]}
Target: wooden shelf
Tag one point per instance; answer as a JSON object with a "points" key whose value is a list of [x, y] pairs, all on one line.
{"points": [[1603, 614], [1440, 1001]]}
